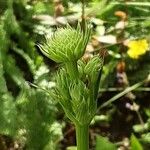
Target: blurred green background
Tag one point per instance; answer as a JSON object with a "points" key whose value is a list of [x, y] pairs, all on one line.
{"points": [[30, 119]]}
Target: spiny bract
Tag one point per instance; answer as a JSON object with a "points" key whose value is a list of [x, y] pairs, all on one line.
{"points": [[66, 44]]}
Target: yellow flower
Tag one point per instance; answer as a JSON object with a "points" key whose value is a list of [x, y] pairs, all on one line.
{"points": [[137, 48]]}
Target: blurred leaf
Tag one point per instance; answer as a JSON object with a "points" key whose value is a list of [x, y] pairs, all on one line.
{"points": [[146, 137], [29, 61], [135, 144], [97, 8], [110, 39], [72, 148], [3, 87], [102, 143], [8, 115], [147, 111], [13, 70]]}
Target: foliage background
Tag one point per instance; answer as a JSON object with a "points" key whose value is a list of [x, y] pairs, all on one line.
{"points": [[29, 118]]}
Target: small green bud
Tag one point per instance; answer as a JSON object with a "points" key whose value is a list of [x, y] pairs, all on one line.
{"points": [[62, 84], [81, 66], [66, 44], [80, 102], [93, 67], [78, 93], [63, 95], [93, 71]]}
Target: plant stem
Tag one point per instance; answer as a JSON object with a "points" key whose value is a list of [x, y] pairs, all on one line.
{"points": [[72, 70], [83, 16], [82, 137], [127, 90]]}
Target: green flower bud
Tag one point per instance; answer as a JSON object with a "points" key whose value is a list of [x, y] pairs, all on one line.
{"points": [[66, 44], [63, 95], [81, 66], [93, 71], [74, 98], [80, 100], [63, 84], [78, 93], [93, 67]]}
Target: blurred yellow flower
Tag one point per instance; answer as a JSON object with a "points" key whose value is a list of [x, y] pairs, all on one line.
{"points": [[137, 48]]}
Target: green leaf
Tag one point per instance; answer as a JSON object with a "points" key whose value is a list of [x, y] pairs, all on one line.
{"points": [[14, 71], [102, 143], [8, 115], [147, 112], [135, 144], [146, 138], [27, 58]]}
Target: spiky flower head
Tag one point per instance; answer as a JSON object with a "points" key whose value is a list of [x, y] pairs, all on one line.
{"points": [[66, 44]]}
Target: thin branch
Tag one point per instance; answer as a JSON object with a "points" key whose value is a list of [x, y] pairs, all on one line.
{"points": [[114, 89], [83, 15], [116, 97], [146, 4]]}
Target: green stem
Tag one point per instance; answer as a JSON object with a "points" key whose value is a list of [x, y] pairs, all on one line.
{"points": [[72, 70], [127, 90], [83, 16], [82, 137]]}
